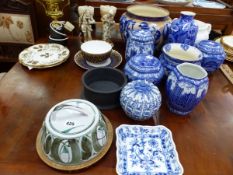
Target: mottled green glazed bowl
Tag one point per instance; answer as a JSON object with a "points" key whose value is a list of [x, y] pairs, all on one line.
{"points": [[74, 132]]}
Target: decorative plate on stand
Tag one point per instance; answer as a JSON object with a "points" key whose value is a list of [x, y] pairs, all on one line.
{"points": [[44, 55]]}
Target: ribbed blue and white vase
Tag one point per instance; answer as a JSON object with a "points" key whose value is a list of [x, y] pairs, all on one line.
{"points": [[186, 86], [182, 30], [140, 100], [144, 67], [140, 41], [213, 55]]}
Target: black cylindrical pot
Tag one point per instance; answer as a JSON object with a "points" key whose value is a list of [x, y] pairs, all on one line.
{"points": [[102, 86]]}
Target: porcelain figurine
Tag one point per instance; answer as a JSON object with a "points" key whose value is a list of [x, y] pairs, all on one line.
{"points": [[144, 67], [213, 55], [140, 41], [182, 30], [174, 54], [137, 16], [204, 30], [186, 86], [140, 100], [107, 17], [86, 20]]}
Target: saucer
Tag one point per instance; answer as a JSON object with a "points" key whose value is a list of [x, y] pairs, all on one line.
{"points": [[114, 61], [208, 4]]}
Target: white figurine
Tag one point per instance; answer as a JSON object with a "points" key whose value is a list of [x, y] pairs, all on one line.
{"points": [[107, 17], [86, 19]]}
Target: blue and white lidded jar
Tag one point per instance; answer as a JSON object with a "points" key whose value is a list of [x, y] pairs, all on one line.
{"points": [[140, 100], [144, 67], [140, 41], [186, 86], [182, 30], [213, 54]]}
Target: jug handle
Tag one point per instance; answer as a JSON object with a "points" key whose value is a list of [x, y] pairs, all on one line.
{"points": [[209, 26]]}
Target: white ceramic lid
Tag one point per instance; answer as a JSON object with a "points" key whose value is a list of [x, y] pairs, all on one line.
{"points": [[72, 118]]}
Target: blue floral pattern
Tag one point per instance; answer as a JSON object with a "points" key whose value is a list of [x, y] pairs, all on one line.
{"points": [[139, 42], [184, 92], [144, 67], [146, 150], [213, 54], [140, 100], [182, 30]]}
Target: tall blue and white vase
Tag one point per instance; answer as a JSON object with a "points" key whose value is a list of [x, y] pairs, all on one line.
{"points": [[140, 100], [140, 41], [186, 86], [183, 29]]}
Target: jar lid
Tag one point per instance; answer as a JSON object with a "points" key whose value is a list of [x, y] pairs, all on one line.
{"points": [[72, 118], [141, 35], [210, 47], [145, 63]]}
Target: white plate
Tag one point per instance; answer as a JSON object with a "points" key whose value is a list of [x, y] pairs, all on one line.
{"points": [[208, 4], [174, 2], [44, 55], [145, 150]]}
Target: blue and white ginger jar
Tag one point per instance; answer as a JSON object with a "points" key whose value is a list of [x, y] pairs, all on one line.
{"points": [[182, 30], [186, 86], [213, 54], [140, 16], [140, 99], [144, 67], [139, 42]]}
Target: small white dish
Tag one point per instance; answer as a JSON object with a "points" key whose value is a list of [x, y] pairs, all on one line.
{"points": [[208, 4], [146, 150]]}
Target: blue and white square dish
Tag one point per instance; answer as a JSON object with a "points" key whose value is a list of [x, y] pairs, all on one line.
{"points": [[143, 150]]}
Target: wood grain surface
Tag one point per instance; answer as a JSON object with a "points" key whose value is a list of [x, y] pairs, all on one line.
{"points": [[204, 138]]}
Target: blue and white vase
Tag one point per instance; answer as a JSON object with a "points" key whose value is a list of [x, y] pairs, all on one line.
{"points": [[183, 29], [144, 67], [213, 55], [140, 16], [140, 100], [186, 86], [140, 41]]}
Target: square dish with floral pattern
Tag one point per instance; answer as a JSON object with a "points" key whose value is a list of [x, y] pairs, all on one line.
{"points": [[143, 150]]}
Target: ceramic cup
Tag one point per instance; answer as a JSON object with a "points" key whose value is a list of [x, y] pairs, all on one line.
{"points": [[96, 51], [186, 86], [73, 132], [58, 41]]}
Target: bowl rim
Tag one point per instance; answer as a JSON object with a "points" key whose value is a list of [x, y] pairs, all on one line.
{"points": [[104, 92], [176, 58], [97, 116], [102, 41]]}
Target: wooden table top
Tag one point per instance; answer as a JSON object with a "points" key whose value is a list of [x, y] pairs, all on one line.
{"points": [[204, 138]]}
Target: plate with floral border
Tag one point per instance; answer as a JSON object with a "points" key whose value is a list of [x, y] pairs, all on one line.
{"points": [[145, 150], [44, 55], [114, 61]]}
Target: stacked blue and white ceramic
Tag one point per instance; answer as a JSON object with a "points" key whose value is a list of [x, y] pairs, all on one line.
{"points": [[186, 86], [213, 55], [140, 100], [144, 67]]}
